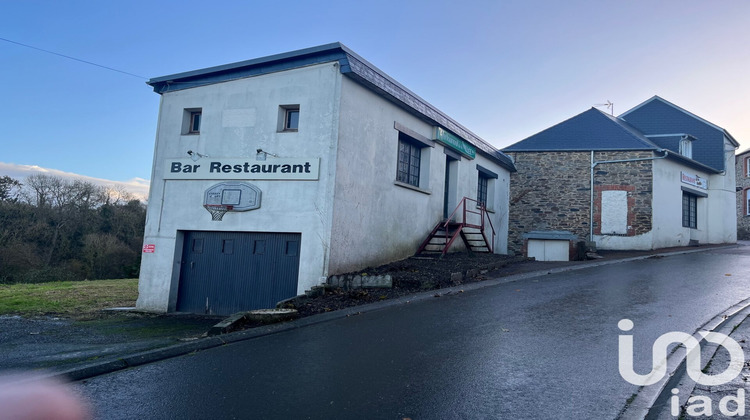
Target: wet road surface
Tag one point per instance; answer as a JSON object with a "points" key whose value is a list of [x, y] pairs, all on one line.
{"points": [[538, 348]]}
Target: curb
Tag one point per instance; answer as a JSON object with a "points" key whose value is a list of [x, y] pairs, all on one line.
{"points": [[150, 356]]}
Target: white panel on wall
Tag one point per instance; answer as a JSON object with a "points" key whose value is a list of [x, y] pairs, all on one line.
{"points": [[614, 212]]}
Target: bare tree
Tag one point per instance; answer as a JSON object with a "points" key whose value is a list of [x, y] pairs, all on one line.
{"points": [[9, 189]]}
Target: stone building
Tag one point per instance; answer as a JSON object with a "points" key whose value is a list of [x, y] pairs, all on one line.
{"points": [[311, 163], [742, 169], [656, 176]]}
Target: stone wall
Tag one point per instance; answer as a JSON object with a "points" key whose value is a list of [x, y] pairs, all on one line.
{"points": [[552, 191], [743, 183]]}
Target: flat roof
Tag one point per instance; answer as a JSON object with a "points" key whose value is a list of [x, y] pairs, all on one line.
{"points": [[351, 65]]}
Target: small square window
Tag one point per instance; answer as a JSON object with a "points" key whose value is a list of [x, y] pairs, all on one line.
{"points": [[288, 118], [292, 119], [191, 121]]}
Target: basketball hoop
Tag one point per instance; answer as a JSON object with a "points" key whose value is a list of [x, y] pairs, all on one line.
{"points": [[217, 210]]}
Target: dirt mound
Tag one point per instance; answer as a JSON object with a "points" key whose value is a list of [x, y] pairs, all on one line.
{"points": [[410, 275]]}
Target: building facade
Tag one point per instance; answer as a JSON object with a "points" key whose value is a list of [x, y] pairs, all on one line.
{"points": [[657, 176], [320, 163], [742, 170]]}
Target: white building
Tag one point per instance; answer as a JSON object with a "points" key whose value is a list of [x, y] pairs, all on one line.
{"points": [[329, 165]]}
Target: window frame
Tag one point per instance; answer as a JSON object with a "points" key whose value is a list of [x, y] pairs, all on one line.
{"points": [[285, 114], [483, 184], [425, 146], [686, 147], [490, 178], [195, 119], [689, 210], [408, 170], [289, 120], [191, 116]]}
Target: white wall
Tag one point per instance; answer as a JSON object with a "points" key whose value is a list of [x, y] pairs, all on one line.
{"points": [[375, 220], [668, 230], [239, 117], [722, 208]]}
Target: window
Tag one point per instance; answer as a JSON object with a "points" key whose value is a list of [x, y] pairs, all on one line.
{"points": [[485, 187], [747, 167], [689, 210], [292, 119], [747, 201], [409, 161], [195, 122], [288, 118], [686, 147], [191, 121], [482, 189], [412, 159]]}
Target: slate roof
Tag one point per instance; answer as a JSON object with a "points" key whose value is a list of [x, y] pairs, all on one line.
{"points": [[598, 131], [350, 65], [658, 116], [589, 130]]}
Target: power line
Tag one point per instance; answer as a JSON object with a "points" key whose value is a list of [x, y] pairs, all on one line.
{"points": [[72, 58]]}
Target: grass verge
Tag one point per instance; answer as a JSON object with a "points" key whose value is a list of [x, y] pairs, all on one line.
{"points": [[73, 299]]}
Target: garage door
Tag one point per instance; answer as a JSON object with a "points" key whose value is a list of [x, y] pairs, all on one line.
{"points": [[226, 272]]}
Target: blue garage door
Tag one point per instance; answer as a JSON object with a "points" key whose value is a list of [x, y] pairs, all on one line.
{"points": [[226, 272]]}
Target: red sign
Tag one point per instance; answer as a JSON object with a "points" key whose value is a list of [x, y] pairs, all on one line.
{"points": [[149, 248]]}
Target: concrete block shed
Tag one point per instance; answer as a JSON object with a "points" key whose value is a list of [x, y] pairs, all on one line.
{"points": [[316, 163]]}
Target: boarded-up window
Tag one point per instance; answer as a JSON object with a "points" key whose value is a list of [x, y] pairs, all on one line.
{"points": [[614, 212]]}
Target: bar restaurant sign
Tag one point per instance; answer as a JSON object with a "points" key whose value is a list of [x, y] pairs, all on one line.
{"points": [[277, 169], [694, 180], [461, 146]]}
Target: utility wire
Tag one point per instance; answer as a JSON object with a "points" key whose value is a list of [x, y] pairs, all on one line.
{"points": [[73, 58]]}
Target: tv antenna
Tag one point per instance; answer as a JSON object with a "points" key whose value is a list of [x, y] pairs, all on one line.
{"points": [[610, 106]]}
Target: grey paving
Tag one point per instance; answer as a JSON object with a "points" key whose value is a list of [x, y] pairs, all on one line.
{"points": [[537, 346]]}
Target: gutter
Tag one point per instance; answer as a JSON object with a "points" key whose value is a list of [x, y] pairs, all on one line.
{"points": [[593, 165]]}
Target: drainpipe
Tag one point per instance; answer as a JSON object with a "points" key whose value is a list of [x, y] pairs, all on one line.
{"points": [[593, 165]]}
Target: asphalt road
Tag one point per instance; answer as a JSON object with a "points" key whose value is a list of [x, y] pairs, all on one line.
{"points": [[538, 348]]}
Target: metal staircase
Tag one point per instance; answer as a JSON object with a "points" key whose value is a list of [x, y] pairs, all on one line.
{"points": [[471, 229]]}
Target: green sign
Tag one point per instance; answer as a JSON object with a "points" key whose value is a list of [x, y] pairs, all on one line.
{"points": [[455, 143]]}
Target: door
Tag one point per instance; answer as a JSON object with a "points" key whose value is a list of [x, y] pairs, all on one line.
{"points": [[548, 250], [451, 179], [226, 272]]}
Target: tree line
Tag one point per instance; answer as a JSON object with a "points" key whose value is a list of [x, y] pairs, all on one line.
{"points": [[54, 229]]}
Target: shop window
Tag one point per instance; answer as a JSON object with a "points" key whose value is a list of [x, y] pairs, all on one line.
{"points": [[689, 210], [191, 120], [288, 118]]}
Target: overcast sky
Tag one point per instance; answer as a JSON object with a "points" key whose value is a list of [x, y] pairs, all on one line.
{"points": [[504, 69]]}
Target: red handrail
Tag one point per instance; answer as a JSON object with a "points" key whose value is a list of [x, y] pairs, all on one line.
{"points": [[482, 213]]}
